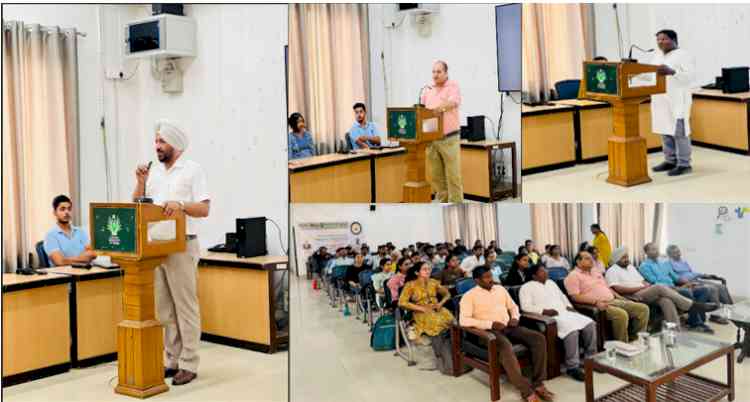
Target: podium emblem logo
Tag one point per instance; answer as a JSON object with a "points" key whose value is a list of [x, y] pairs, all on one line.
{"points": [[601, 77], [114, 227], [402, 124]]}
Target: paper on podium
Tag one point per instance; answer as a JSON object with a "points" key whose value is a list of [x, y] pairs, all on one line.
{"points": [[162, 230], [642, 80], [430, 125]]}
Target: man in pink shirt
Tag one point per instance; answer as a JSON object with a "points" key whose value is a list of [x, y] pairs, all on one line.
{"points": [[444, 156], [488, 306], [587, 286]]}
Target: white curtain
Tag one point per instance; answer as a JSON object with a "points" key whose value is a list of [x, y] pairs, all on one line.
{"points": [[329, 68], [559, 224], [632, 225], [470, 222], [40, 132]]}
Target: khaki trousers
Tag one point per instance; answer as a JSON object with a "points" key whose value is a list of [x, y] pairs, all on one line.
{"points": [[626, 314], [176, 290], [444, 158], [670, 302]]}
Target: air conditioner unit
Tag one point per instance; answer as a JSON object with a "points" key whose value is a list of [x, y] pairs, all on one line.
{"points": [[418, 8], [160, 36]]}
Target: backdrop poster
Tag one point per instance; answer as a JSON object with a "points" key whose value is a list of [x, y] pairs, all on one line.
{"points": [[310, 236]]}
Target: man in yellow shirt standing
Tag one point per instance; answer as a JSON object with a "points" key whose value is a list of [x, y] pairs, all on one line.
{"points": [[601, 242]]}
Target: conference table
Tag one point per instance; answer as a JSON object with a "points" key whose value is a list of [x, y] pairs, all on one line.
{"points": [[238, 300], [378, 175], [721, 121], [36, 326], [567, 132]]}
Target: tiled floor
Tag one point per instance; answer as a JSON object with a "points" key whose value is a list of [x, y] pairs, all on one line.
{"points": [[717, 176], [225, 374], [331, 361]]}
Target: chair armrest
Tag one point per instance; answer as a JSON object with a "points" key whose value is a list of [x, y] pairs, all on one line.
{"points": [[714, 278], [482, 333], [534, 317]]}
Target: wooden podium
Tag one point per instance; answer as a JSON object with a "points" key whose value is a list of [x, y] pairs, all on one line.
{"points": [[138, 237], [414, 128], [617, 84]]}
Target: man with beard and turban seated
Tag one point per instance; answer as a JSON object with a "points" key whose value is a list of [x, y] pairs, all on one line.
{"points": [[177, 184]]}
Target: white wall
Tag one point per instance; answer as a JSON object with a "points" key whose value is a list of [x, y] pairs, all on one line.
{"points": [[693, 228], [461, 34], [514, 221], [233, 107], [716, 35]]}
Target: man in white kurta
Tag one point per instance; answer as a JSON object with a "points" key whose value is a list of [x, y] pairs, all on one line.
{"points": [[177, 184], [670, 111], [543, 296]]}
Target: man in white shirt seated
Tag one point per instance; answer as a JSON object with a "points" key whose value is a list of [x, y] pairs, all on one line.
{"points": [[543, 296], [625, 279], [474, 260]]}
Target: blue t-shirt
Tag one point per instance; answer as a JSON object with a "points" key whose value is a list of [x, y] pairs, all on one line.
{"points": [[57, 240], [301, 147], [369, 130], [658, 272]]}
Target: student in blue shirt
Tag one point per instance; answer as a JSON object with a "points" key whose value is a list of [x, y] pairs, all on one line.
{"points": [[66, 244], [661, 273], [301, 144], [363, 133]]}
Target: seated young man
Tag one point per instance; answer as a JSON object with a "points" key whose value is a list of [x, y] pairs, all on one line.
{"points": [[488, 306], [452, 271], [66, 244], [587, 286], [542, 296], [624, 279], [661, 273], [363, 133], [475, 259], [719, 292]]}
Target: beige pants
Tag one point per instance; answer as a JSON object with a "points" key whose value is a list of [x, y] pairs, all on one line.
{"points": [[444, 159], [176, 290]]}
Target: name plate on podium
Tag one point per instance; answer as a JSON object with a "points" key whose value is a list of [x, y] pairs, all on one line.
{"points": [[114, 229], [402, 123]]}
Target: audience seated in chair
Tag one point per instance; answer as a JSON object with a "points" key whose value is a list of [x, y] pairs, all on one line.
{"points": [[555, 259], [587, 287], [531, 251], [719, 291], [542, 296], [661, 273], [398, 280], [475, 259], [490, 260], [517, 274], [452, 271], [420, 295], [598, 264], [66, 244], [489, 307], [624, 279]]}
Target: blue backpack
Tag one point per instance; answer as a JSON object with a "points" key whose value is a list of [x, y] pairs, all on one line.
{"points": [[384, 333]]}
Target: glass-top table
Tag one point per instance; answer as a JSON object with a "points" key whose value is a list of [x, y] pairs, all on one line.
{"points": [[739, 315], [661, 372]]}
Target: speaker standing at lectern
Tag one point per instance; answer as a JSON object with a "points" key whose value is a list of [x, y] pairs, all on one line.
{"points": [[177, 184], [670, 111], [444, 156]]}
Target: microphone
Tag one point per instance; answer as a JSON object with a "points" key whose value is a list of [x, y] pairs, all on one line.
{"points": [[630, 58], [144, 199], [419, 97]]}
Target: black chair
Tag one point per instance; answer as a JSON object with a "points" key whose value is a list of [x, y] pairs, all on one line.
{"points": [[42, 255], [477, 348], [567, 89], [554, 344]]}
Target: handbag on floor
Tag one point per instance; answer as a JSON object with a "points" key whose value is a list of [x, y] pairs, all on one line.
{"points": [[383, 335]]}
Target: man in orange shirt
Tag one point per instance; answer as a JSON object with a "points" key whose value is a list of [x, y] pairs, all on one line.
{"points": [[488, 306], [444, 156]]}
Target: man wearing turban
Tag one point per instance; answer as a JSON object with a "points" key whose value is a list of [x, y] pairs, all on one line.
{"points": [[177, 184]]}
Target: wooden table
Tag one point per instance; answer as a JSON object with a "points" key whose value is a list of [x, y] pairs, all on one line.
{"points": [[548, 137], [237, 300], [664, 373], [478, 170], [36, 327], [721, 121], [95, 310], [334, 178]]}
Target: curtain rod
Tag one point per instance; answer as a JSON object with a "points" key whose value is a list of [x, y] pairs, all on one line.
{"points": [[6, 27]]}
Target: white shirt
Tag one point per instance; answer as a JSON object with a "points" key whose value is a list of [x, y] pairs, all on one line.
{"points": [[469, 263], [536, 297], [551, 262], [626, 277], [185, 181], [674, 104]]}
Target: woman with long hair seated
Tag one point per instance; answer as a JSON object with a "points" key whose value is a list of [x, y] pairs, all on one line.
{"points": [[516, 274], [420, 295]]}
